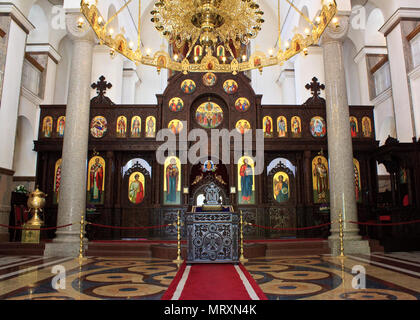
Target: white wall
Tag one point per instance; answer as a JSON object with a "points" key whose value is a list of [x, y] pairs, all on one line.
{"points": [[384, 116], [65, 50], [111, 68], [352, 73], [11, 93], [25, 157], [415, 93]]}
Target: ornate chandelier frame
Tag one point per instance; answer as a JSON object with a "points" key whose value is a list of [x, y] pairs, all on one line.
{"points": [[207, 24]]}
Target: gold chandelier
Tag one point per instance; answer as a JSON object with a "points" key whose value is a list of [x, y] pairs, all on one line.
{"points": [[207, 35]]}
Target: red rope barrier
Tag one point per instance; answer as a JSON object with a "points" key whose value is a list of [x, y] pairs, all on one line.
{"points": [[40, 229], [290, 229], [385, 224], [128, 228]]}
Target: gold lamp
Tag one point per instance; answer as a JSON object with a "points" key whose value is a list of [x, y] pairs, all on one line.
{"points": [[207, 35], [36, 203]]}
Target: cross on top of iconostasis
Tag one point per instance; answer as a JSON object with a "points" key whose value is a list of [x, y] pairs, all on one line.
{"points": [[315, 87], [101, 86]]}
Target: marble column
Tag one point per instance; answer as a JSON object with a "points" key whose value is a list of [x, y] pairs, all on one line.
{"points": [[340, 148], [72, 202]]}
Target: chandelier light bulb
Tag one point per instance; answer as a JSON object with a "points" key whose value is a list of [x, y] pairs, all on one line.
{"points": [[287, 45], [318, 19], [131, 44], [244, 58], [80, 23], [148, 51], [111, 31], [176, 57], [307, 31]]}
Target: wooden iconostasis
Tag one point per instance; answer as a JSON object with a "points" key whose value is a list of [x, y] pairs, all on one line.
{"points": [[126, 186]]}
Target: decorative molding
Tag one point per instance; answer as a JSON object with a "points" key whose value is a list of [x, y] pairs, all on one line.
{"points": [[316, 88], [17, 16], [137, 167], [34, 62], [44, 48], [382, 97], [399, 15], [363, 52], [6, 172], [377, 66], [101, 86], [414, 74], [24, 179], [413, 33], [31, 96]]}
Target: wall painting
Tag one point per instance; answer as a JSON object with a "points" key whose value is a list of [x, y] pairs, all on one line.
{"points": [[281, 187], [320, 180], [96, 180], [172, 181], [98, 127], [136, 188], [209, 115]]}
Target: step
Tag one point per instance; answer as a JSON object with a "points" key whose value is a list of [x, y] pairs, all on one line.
{"points": [[294, 252], [171, 251], [113, 253], [140, 250], [22, 249], [297, 245], [120, 246]]}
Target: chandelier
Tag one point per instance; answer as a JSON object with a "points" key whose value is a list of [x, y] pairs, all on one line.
{"points": [[207, 35]]}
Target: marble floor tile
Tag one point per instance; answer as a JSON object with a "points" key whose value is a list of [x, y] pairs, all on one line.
{"points": [[388, 277]]}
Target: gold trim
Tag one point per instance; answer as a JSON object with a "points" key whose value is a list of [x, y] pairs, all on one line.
{"points": [[299, 43]]}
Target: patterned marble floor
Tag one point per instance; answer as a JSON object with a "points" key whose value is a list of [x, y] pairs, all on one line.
{"points": [[389, 277]]}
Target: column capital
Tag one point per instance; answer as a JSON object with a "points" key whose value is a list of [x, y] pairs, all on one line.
{"points": [[336, 33], [77, 33]]}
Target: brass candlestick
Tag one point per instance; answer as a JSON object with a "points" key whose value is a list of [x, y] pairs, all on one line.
{"points": [[242, 257], [36, 203], [179, 260], [340, 221], [82, 234]]}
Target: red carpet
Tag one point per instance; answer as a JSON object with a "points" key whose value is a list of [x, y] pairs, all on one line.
{"points": [[213, 282]]}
